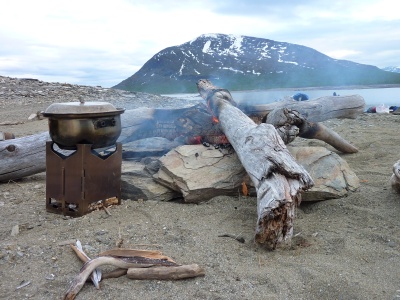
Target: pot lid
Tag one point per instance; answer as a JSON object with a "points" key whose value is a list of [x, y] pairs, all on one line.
{"points": [[80, 108]]}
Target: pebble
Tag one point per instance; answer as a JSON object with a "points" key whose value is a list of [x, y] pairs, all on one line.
{"points": [[15, 230], [50, 277], [101, 232], [102, 239]]}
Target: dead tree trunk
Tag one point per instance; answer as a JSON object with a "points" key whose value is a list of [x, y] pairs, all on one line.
{"points": [[277, 177]]}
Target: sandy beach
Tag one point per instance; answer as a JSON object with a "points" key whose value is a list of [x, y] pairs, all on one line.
{"points": [[346, 248]]}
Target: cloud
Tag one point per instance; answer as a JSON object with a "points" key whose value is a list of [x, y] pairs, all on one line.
{"points": [[104, 42]]}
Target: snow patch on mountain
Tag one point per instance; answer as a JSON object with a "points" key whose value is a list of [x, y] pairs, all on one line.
{"points": [[392, 69]]}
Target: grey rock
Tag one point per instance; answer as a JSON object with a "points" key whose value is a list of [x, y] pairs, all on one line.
{"points": [[200, 173], [332, 175], [138, 183], [15, 230]]}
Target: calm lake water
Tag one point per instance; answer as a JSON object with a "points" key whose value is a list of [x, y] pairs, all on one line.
{"points": [[372, 96]]}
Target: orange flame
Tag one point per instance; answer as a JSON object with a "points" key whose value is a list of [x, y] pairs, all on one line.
{"points": [[214, 119], [245, 191]]}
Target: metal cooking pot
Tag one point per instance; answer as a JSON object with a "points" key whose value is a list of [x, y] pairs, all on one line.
{"points": [[72, 123]]}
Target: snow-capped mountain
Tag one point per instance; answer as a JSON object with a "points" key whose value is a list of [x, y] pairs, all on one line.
{"points": [[243, 63], [392, 69]]}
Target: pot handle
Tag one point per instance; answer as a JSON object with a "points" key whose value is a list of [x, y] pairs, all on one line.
{"points": [[102, 123]]}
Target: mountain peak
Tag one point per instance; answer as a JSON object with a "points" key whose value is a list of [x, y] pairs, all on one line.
{"points": [[243, 62]]}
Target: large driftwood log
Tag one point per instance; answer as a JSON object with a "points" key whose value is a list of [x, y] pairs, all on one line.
{"points": [[25, 156], [277, 177], [318, 110]]}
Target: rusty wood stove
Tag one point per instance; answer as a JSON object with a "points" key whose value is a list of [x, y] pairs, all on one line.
{"points": [[76, 182]]}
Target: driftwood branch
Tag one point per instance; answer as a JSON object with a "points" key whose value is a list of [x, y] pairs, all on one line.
{"points": [[277, 177], [25, 156], [96, 274], [136, 259], [291, 123], [154, 265], [166, 273], [320, 132]]}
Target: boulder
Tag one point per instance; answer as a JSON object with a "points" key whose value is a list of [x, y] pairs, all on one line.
{"points": [[201, 173], [137, 182], [332, 175]]}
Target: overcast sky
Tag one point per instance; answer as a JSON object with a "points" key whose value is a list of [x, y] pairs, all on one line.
{"points": [[99, 42]]}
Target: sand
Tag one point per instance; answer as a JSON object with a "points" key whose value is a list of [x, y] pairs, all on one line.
{"points": [[346, 248]]}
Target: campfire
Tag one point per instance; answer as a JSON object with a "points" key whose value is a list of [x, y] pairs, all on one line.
{"points": [[258, 135], [248, 141]]}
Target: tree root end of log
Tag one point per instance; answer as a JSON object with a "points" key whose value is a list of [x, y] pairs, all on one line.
{"points": [[275, 226]]}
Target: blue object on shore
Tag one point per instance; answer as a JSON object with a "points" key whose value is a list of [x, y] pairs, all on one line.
{"points": [[300, 97]]}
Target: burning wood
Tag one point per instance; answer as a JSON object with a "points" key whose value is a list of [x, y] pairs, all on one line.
{"points": [[277, 177]]}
